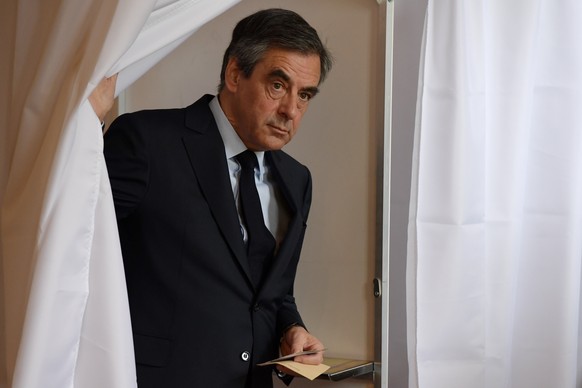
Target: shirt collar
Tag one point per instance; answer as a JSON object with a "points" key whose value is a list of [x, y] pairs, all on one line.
{"points": [[233, 145]]}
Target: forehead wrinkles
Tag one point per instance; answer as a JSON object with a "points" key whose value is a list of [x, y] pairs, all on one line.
{"points": [[296, 68]]}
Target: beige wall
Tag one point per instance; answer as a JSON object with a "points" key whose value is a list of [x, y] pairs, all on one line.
{"points": [[337, 141]]}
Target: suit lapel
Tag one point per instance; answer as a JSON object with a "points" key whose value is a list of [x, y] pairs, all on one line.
{"points": [[287, 185], [208, 160]]}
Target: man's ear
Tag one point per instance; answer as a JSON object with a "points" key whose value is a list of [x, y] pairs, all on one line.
{"points": [[232, 75]]}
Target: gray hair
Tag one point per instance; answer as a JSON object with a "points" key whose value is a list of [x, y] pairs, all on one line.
{"points": [[272, 28]]}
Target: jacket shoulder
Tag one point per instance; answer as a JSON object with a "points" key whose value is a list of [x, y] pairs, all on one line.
{"points": [[286, 162], [194, 116]]}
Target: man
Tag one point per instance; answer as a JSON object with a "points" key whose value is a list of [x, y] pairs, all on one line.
{"points": [[206, 304]]}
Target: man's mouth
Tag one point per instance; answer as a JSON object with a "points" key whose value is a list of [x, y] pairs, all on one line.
{"points": [[279, 128]]}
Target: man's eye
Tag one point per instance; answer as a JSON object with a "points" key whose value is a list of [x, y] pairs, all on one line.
{"points": [[277, 86], [305, 96]]}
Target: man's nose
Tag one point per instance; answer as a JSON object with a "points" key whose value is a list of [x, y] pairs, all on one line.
{"points": [[288, 106]]}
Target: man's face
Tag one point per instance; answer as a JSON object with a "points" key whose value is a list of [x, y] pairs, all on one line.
{"points": [[269, 105]]}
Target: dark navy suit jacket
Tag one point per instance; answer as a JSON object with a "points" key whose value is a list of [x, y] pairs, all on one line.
{"points": [[197, 318]]}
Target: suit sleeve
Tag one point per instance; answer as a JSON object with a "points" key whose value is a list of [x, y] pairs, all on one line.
{"points": [[125, 151]]}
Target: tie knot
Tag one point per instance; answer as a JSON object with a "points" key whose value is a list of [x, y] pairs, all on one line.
{"points": [[247, 159]]}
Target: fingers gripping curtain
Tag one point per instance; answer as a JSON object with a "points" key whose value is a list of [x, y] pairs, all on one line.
{"points": [[495, 232], [65, 319]]}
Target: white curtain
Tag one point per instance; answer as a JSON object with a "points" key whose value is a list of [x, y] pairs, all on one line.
{"points": [[495, 231], [64, 320]]}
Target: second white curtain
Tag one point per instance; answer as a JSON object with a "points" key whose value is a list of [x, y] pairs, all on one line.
{"points": [[495, 233]]}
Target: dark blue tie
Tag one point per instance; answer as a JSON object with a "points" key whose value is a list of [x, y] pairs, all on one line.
{"points": [[260, 244]]}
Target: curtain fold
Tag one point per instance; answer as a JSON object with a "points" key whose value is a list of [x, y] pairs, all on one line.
{"points": [[495, 229], [65, 316]]}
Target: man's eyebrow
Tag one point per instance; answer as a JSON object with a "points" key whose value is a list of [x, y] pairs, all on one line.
{"points": [[313, 90], [280, 74]]}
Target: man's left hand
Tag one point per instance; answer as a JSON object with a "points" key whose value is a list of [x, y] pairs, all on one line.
{"points": [[297, 339]]}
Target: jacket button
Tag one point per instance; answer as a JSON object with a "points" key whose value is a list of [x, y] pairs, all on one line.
{"points": [[256, 307], [245, 356]]}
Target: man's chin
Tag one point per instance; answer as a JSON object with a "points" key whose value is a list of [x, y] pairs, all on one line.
{"points": [[276, 143]]}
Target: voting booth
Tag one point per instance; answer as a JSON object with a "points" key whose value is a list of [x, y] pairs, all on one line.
{"points": [[346, 284]]}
